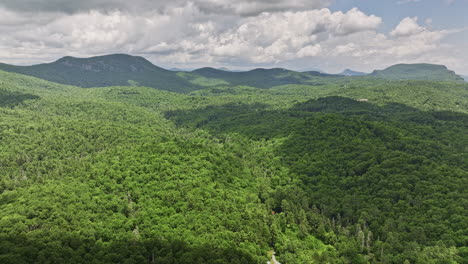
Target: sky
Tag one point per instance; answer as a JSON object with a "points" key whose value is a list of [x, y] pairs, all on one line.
{"points": [[327, 35]]}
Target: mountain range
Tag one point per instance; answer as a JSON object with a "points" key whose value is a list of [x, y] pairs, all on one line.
{"points": [[327, 169], [127, 70]]}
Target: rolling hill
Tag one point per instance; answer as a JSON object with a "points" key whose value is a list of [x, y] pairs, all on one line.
{"points": [[421, 71], [102, 71], [140, 175], [126, 70], [261, 78]]}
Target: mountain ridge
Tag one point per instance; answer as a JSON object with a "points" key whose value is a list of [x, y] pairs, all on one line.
{"points": [[135, 63], [106, 70], [127, 70], [417, 71]]}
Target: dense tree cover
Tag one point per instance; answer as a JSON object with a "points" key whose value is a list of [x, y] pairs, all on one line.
{"points": [[100, 175], [423, 95], [88, 179], [265, 78], [393, 175], [9, 99]]}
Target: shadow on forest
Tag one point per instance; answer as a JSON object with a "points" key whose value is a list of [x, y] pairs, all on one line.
{"points": [[360, 162], [10, 99], [70, 248], [256, 121], [357, 161]]}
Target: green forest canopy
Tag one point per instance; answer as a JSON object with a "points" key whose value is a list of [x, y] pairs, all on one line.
{"points": [[227, 173]]}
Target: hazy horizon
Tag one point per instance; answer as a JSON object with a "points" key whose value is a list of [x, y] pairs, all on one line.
{"points": [[226, 68], [299, 35]]}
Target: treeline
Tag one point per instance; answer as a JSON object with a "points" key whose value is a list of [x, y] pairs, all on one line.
{"points": [[100, 175]]}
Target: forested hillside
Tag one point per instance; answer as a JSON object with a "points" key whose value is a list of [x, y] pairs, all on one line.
{"points": [[264, 78], [349, 72], [393, 173], [99, 176], [417, 72], [126, 70], [335, 170], [109, 70]]}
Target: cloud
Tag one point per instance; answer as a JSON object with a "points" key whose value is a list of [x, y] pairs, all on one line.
{"points": [[407, 40], [273, 37], [413, 39], [188, 35], [240, 7], [267, 37], [354, 21], [408, 26]]}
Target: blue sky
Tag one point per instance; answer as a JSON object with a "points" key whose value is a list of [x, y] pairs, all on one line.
{"points": [[440, 14], [444, 14], [330, 35]]}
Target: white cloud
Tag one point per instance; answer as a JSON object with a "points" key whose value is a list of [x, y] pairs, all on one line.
{"points": [[413, 39], [254, 7], [310, 51], [272, 37], [239, 7], [189, 35], [354, 21], [408, 26]]}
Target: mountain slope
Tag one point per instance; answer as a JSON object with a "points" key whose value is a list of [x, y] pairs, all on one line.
{"points": [[392, 175], [417, 72], [261, 78], [109, 70], [126, 70], [99, 175], [349, 72]]}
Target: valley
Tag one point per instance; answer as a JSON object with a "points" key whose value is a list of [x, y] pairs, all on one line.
{"points": [[115, 160]]}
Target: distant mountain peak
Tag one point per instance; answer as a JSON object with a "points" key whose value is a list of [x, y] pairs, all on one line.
{"points": [[108, 63], [349, 72], [107, 70], [418, 71]]}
